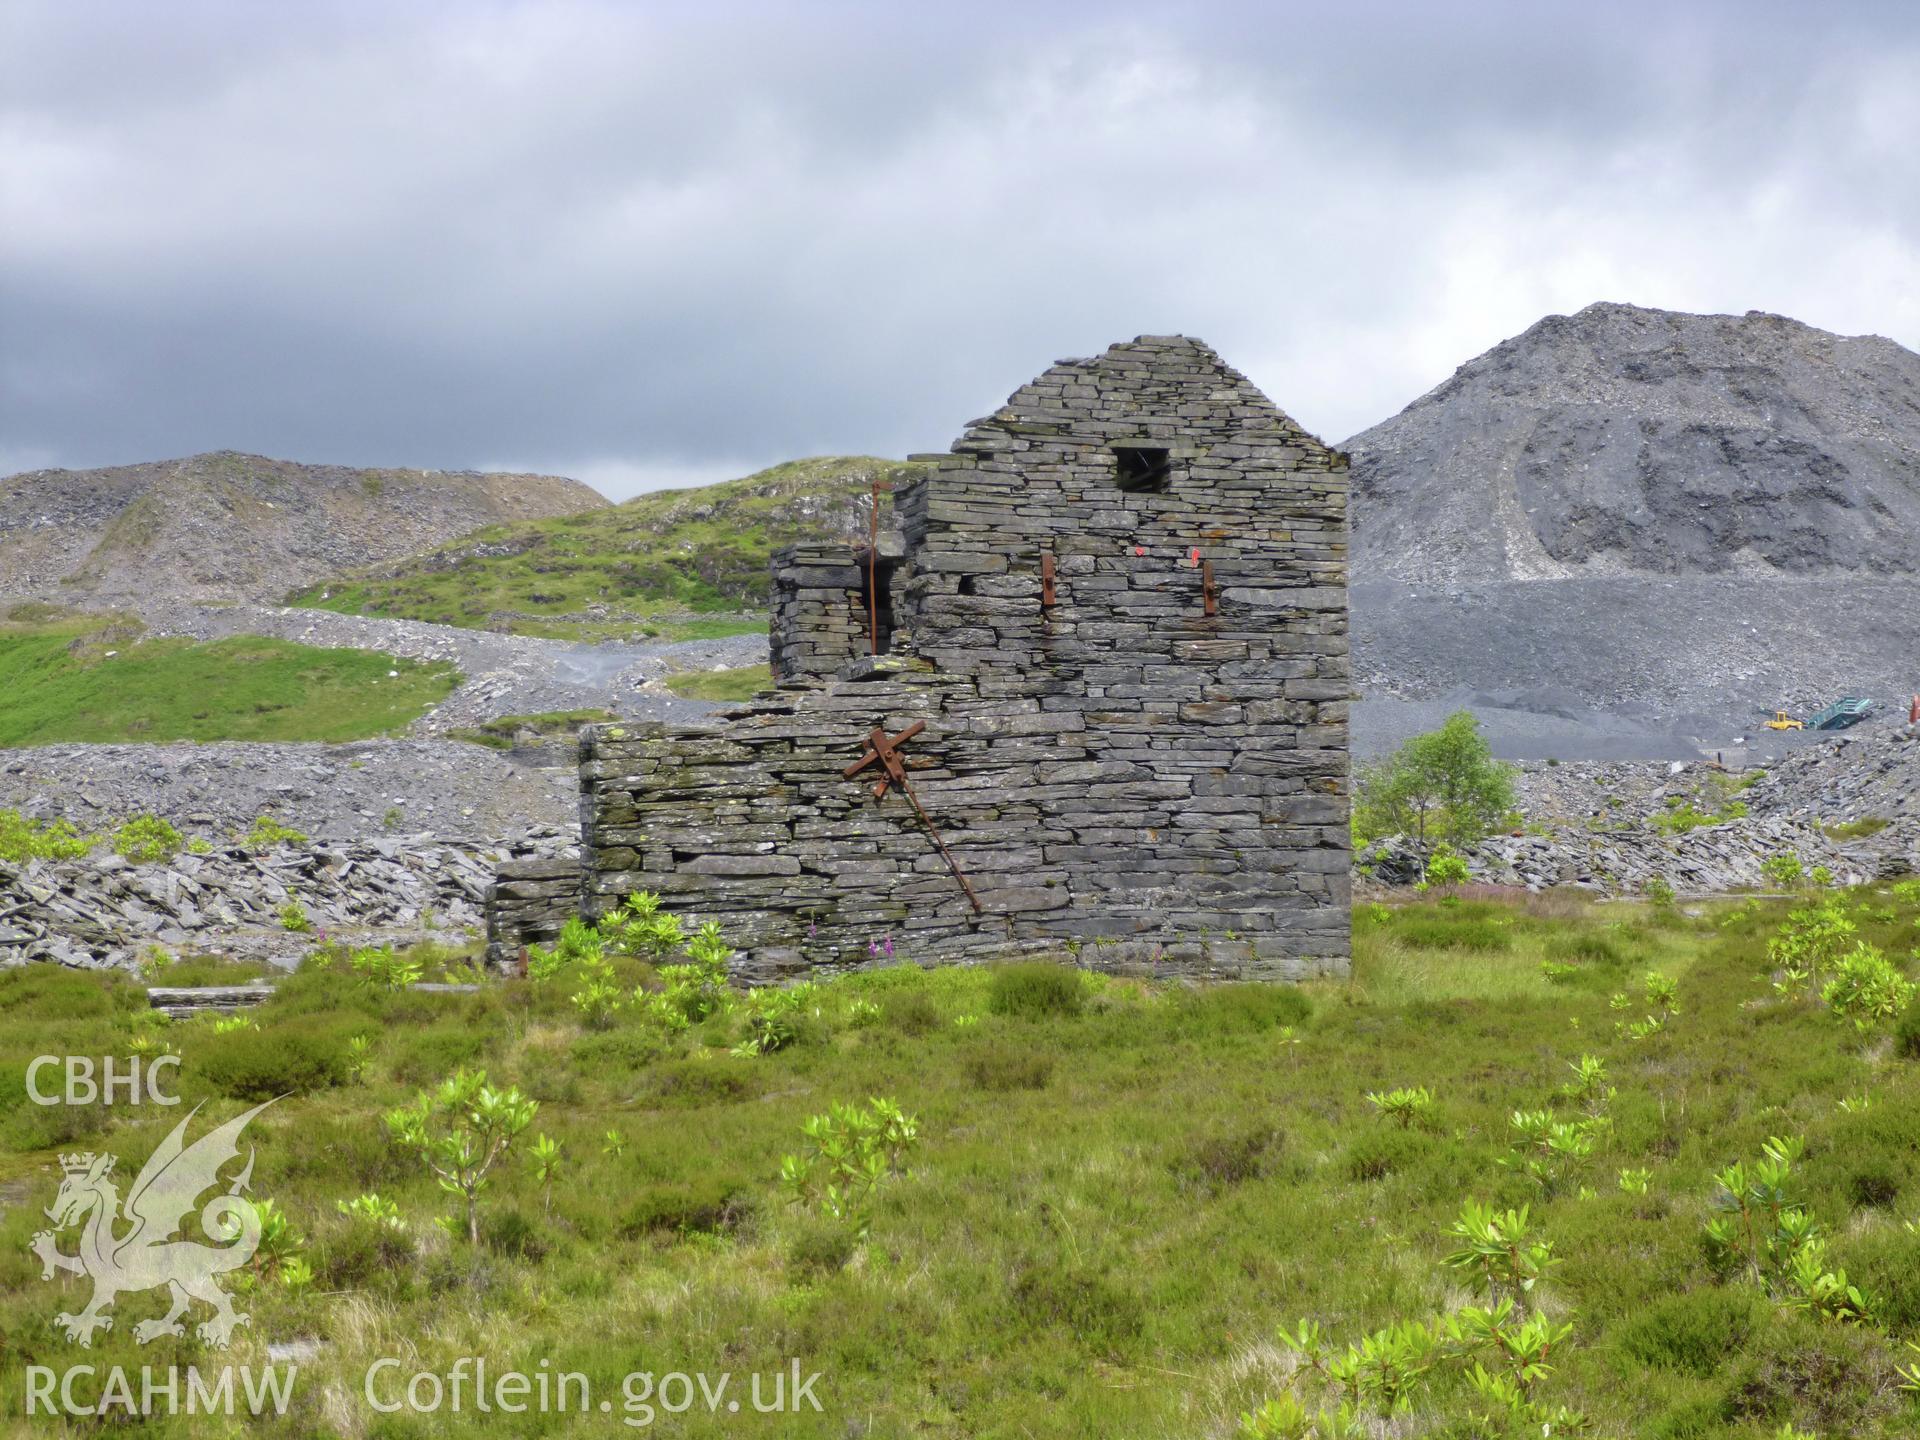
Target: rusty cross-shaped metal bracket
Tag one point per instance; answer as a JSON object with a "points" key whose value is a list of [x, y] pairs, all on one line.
{"points": [[884, 750]]}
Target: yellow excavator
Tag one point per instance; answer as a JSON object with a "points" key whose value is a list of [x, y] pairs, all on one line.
{"points": [[1837, 716]]}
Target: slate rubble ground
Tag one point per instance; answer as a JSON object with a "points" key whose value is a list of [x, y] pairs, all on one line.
{"points": [[1875, 776], [332, 792], [1599, 830], [105, 911], [356, 876], [1713, 860]]}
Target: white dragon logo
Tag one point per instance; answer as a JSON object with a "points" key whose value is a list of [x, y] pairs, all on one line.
{"points": [[151, 1254]]}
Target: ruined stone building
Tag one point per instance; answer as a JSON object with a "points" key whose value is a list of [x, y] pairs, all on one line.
{"points": [[1117, 612]]}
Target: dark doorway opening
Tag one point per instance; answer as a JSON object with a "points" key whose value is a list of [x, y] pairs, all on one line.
{"points": [[880, 630]]}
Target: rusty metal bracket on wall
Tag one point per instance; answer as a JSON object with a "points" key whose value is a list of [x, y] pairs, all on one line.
{"points": [[1208, 599], [884, 750], [1046, 580]]}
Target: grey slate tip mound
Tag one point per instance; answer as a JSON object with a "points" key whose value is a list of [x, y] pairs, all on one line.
{"points": [[1623, 440]]}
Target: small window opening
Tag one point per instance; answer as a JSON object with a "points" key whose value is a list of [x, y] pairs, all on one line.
{"points": [[1138, 468], [883, 569]]}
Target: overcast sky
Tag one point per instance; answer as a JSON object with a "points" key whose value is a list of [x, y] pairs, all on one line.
{"points": [[644, 244]]}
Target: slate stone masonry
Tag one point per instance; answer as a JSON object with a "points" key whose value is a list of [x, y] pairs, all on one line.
{"points": [[529, 903], [819, 607], [1119, 772]]}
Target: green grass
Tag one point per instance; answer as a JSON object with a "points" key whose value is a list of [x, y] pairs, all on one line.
{"points": [[741, 684], [1121, 1188], [1857, 829], [673, 565], [1486, 950], [498, 733], [94, 679]]}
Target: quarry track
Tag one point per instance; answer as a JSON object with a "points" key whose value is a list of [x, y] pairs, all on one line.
{"points": [[505, 674], [1616, 668], [426, 783], [1612, 669], [1619, 668]]}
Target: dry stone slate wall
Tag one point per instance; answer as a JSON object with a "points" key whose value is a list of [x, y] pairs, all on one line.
{"points": [[529, 903], [819, 607], [1153, 764]]}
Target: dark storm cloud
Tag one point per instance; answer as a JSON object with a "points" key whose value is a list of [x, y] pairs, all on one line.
{"points": [[641, 243]]}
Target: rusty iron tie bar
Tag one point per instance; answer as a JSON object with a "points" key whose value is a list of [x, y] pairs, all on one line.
{"points": [[884, 750]]}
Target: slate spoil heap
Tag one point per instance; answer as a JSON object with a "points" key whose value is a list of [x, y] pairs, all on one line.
{"points": [[103, 910], [1609, 828], [1118, 608]]}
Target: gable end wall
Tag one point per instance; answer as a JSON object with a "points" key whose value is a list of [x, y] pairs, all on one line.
{"points": [[1119, 769]]}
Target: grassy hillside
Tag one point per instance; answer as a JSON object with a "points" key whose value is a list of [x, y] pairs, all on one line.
{"points": [[227, 526], [92, 678], [721, 685], [678, 563], [1119, 1193]]}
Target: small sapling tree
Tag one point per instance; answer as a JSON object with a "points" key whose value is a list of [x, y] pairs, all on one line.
{"points": [[459, 1131], [1866, 988], [598, 996], [775, 1018], [1783, 869], [1589, 1088], [279, 1246], [694, 990], [1549, 1152], [371, 1208], [1760, 1230], [1446, 871], [1524, 1351], [545, 1165], [1501, 1251], [850, 1150], [1285, 1418], [1403, 1106], [1505, 1350], [1443, 786], [641, 928], [1812, 940], [1662, 993], [384, 968]]}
